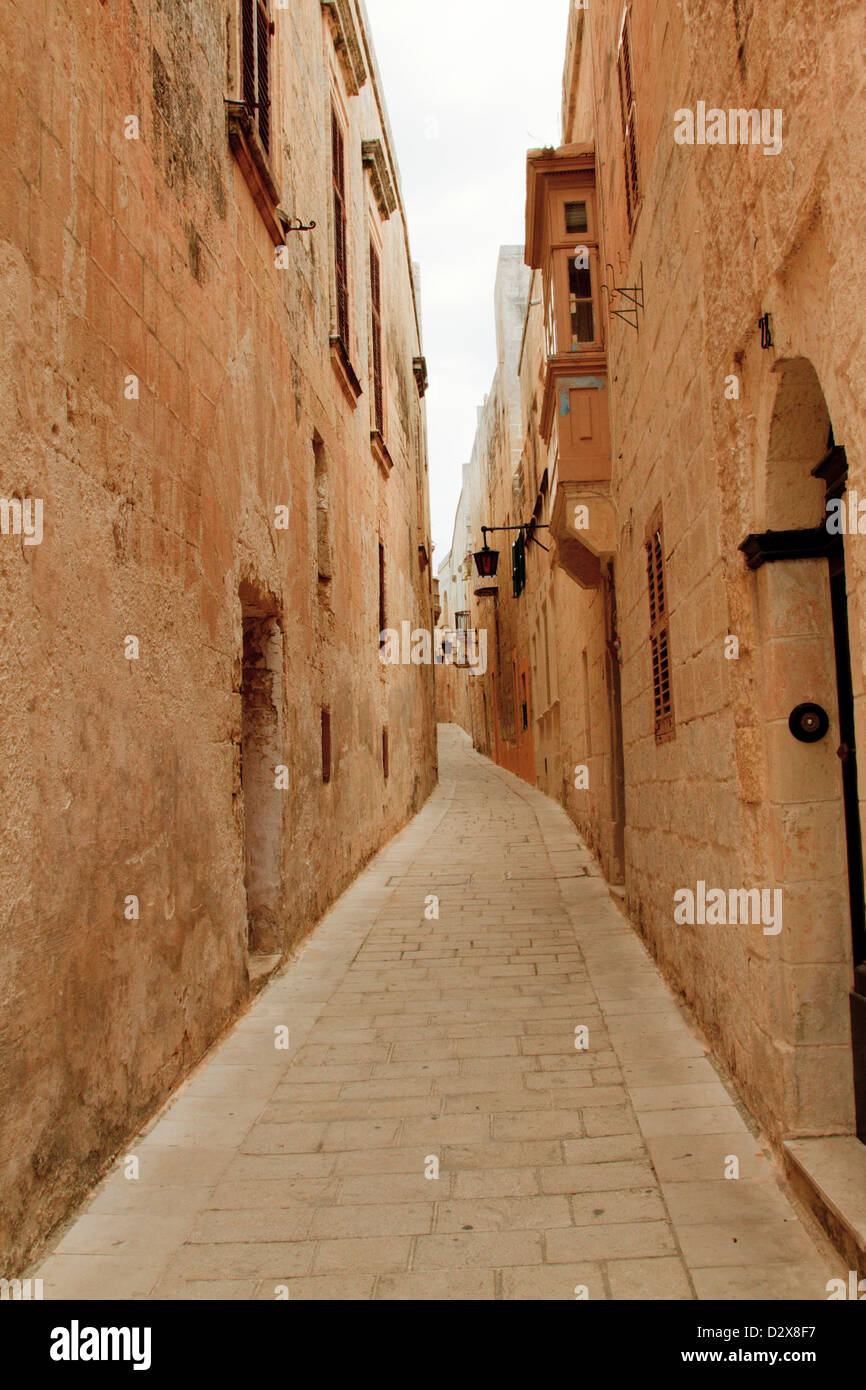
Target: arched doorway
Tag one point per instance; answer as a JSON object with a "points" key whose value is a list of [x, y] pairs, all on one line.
{"points": [[812, 807]]}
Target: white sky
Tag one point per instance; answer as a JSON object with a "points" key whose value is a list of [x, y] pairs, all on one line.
{"points": [[470, 86]]}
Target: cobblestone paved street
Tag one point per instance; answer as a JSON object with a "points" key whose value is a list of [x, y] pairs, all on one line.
{"points": [[413, 1038]]}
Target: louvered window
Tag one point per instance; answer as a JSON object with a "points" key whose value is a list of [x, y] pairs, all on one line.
{"points": [[256, 30], [575, 218], [663, 698], [625, 72], [338, 164], [376, 302]]}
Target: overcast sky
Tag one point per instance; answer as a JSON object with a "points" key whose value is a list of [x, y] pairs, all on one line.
{"points": [[470, 86]]}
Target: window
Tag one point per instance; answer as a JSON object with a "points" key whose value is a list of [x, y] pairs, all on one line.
{"points": [[383, 618], [625, 72], [376, 303], [341, 258], [572, 317], [386, 767], [550, 326], [575, 217], [326, 745], [580, 305], [252, 116], [663, 699], [518, 566], [256, 30]]}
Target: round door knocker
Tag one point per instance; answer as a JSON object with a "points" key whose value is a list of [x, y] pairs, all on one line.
{"points": [[808, 723]]}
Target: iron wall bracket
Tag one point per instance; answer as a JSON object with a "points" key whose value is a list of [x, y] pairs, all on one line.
{"points": [[632, 294]]}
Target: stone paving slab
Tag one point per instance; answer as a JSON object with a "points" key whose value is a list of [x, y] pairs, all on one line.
{"points": [[431, 1131]]}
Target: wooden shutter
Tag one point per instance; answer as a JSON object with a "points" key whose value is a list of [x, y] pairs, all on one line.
{"points": [[263, 34], [340, 248], [518, 566], [376, 301], [248, 47], [663, 698], [256, 65], [625, 73]]}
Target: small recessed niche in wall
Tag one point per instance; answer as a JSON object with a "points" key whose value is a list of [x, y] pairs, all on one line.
{"points": [[261, 751]]}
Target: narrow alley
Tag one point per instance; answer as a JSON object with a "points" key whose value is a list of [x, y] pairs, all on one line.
{"points": [[432, 673], [488, 1093]]}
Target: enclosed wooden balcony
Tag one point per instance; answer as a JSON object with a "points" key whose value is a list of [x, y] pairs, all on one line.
{"points": [[562, 242]]}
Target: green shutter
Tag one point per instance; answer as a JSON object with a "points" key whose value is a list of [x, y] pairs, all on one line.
{"points": [[518, 565]]}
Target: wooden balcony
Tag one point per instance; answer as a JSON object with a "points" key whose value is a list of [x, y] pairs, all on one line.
{"points": [[583, 529]]}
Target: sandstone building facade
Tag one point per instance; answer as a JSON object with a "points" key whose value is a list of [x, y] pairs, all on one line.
{"points": [[692, 432], [219, 418]]}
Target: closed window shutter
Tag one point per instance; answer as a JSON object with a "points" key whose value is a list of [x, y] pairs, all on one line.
{"points": [[256, 65], [625, 75], [263, 30], [518, 566], [340, 250], [248, 44], [376, 300], [663, 699]]}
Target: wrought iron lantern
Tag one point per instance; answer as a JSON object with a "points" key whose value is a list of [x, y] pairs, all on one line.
{"points": [[486, 560]]}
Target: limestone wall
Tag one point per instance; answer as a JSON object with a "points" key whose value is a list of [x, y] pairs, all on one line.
{"points": [[724, 234], [147, 258]]}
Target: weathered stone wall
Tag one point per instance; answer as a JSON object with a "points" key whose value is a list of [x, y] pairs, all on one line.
{"points": [[725, 234], [123, 776]]}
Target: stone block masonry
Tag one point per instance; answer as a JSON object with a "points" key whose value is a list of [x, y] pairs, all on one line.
{"points": [[487, 1093], [186, 387], [726, 400]]}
